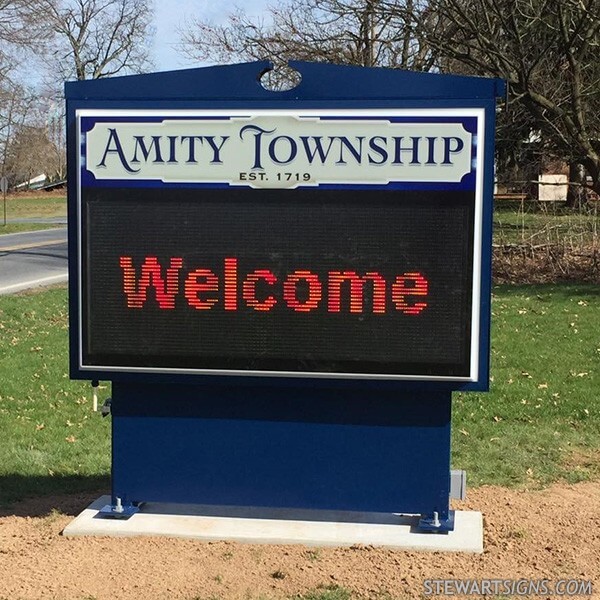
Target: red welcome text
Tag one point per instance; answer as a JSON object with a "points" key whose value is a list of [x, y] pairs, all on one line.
{"points": [[301, 291]]}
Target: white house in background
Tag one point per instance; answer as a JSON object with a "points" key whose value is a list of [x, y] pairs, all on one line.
{"points": [[33, 184]]}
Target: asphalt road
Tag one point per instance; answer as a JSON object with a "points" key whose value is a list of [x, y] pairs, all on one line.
{"points": [[32, 259]]}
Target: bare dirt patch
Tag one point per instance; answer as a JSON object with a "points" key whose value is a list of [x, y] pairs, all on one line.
{"points": [[544, 534]]}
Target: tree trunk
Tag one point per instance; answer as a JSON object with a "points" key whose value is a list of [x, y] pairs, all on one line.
{"points": [[576, 194]]}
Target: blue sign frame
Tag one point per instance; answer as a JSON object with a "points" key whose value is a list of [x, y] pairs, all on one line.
{"points": [[364, 444], [384, 93]]}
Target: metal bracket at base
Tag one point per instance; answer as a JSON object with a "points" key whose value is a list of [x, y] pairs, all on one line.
{"points": [[118, 510], [433, 524]]}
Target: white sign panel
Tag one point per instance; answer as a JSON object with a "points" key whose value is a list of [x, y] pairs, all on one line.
{"points": [[279, 149]]}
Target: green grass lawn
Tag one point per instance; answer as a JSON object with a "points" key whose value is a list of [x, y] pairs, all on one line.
{"points": [[19, 227], [44, 205], [331, 592], [50, 440], [539, 423], [541, 420]]}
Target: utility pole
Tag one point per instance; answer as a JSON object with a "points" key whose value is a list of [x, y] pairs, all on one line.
{"points": [[3, 189]]}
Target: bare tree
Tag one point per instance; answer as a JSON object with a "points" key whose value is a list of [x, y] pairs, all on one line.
{"points": [[547, 50], [19, 19], [99, 38], [357, 32], [15, 106], [56, 134], [19, 26], [20, 29], [29, 153]]}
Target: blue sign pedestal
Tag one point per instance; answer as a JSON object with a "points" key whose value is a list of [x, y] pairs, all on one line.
{"points": [[283, 447]]}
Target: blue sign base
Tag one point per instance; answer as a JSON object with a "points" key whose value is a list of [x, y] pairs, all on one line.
{"points": [[296, 447]]}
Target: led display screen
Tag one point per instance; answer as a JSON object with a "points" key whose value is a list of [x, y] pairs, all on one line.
{"points": [[305, 281]]}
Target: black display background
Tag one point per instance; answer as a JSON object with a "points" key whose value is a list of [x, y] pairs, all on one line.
{"points": [[391, 232]]}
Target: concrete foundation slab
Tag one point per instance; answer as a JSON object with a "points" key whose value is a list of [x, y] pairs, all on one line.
{"points": [[280, 526]]}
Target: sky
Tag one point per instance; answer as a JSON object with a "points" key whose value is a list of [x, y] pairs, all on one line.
{"points": [[169, 15]]}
